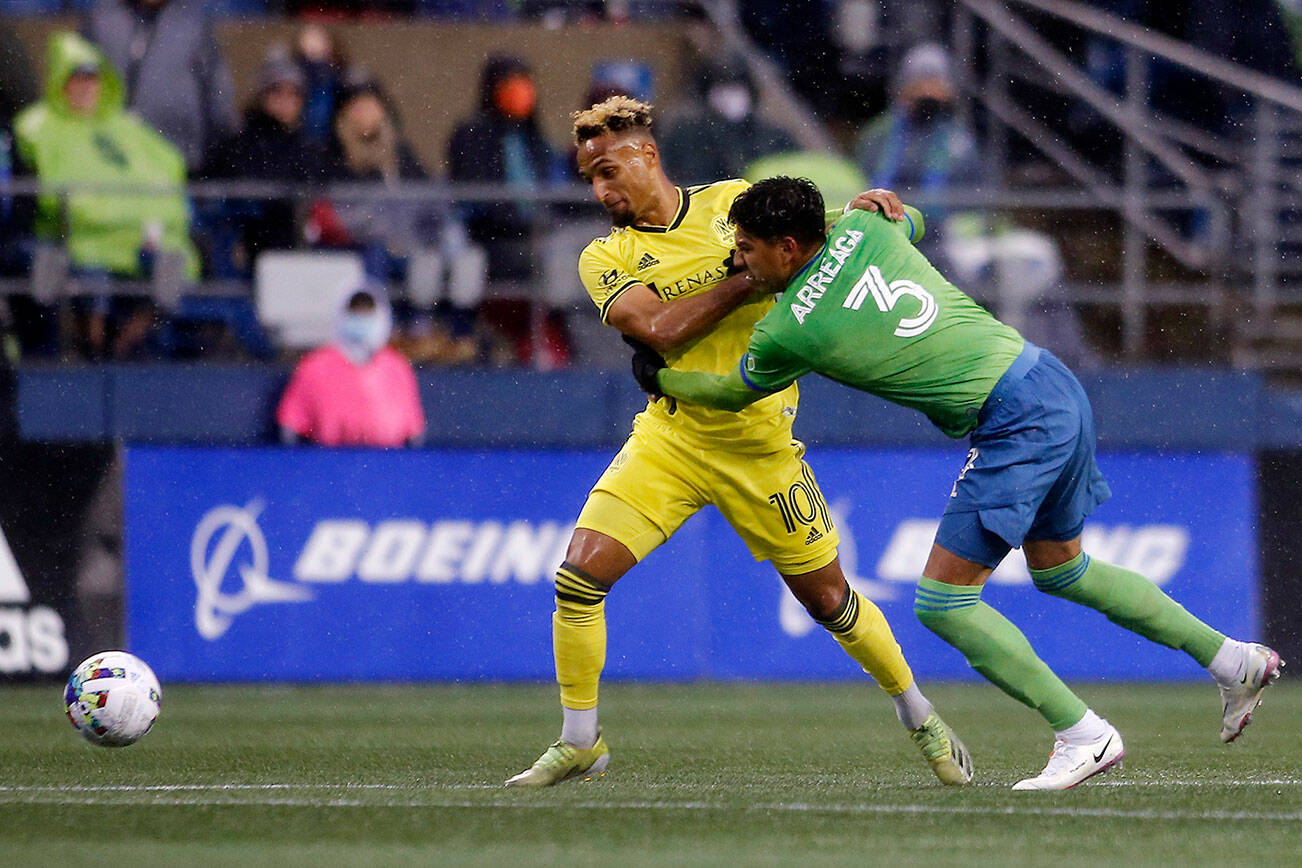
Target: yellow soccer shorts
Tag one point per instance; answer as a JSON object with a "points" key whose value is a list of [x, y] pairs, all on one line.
{"points": [[658, 481]]}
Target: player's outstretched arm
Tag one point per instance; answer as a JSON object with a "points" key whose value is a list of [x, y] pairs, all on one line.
{"points": [[720, 391], [639, 312]]}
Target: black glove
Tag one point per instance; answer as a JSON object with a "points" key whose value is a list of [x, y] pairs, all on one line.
{"points": [[646, 363]]}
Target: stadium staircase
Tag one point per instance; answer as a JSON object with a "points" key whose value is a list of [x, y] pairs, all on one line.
{"points": [[1271, 340], [1211, 221]]}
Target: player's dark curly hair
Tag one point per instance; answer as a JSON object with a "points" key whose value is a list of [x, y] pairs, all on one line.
{"points": [[780, 207]]}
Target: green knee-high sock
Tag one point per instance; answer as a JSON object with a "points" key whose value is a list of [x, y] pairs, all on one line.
{"points": [[997, 649], [1131, 601]]}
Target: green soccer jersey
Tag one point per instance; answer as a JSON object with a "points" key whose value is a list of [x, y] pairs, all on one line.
{"points": [[871, 312]]}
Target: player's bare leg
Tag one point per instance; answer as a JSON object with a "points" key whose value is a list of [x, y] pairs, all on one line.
{"points": [[593, 563], [862, 631], [1242, 670], [949, 604]]}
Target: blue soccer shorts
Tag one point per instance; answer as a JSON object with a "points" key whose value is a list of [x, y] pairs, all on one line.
{"points": [[1030, 474]]}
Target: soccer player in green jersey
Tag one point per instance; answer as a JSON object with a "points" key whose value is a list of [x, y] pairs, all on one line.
{"points": [[863, 307]]}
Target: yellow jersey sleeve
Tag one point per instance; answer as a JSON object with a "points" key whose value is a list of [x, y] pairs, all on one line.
{"points": [[605, 273]]}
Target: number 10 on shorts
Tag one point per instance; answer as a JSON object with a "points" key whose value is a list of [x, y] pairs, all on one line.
{"points": [[802, 503]]}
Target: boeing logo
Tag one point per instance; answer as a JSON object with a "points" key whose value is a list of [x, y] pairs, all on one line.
{"points": [[230, 562], [217, 539]]}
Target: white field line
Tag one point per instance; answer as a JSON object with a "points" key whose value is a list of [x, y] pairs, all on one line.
{"points": [[1198, 782], [48, 797], [200, 788], [434, 787]]}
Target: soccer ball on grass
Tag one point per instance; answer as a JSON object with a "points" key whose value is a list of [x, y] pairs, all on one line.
{"points": [[112, 698]]}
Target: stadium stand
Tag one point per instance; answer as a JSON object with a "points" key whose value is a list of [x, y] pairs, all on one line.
{"points": [[1152, 290]]}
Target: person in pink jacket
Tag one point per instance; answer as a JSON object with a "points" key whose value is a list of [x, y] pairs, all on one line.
{"points": [[355, 390]]}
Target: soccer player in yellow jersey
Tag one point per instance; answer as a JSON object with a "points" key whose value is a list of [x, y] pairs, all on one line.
{"points": [[662, 277]]}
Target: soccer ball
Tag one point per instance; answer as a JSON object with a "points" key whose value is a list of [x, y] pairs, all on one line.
{"points": [[112, 698]]}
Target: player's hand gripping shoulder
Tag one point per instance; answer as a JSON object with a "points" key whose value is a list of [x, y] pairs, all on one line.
{"points": [[877, 199], [909, 218]]}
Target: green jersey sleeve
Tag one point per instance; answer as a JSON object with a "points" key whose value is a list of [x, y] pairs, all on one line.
{"points": [[765, 369], [768, 366]]}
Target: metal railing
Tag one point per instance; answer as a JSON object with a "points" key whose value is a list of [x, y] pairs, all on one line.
{"points": [[51, 281], [1237, 184]]}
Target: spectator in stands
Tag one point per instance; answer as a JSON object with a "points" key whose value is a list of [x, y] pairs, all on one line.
{"points": [[357, 390], [502, 143], [402, 238], [918, 146], [324, 64], [172, 64], [367, 144], [271, 146], [724, 135], [81, 134]]}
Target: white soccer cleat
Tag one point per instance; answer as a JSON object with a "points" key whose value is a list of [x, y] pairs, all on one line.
{"points": [[1239, 698], [1069, 764]]}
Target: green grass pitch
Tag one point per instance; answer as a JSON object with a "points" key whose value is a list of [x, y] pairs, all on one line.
{"points": [[708, 774]]}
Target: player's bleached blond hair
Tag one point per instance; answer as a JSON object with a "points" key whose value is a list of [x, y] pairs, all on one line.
{"points": [[618, 114]]}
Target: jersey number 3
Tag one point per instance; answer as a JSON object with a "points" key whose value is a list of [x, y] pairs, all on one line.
{"points": [[888, 295]]}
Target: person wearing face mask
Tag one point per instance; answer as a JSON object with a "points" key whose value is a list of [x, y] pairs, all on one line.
{"points": [[401, 239], [919, 146], [355, 390], [722, 135], [502, 143], [368, 143]]}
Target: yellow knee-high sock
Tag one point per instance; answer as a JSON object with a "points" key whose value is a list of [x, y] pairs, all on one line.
{"points": [[579, 636], [861, 629]]}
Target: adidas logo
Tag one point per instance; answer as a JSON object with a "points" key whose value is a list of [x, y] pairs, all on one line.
{"points": [[646, 262], [12, 587], [814, 536]]}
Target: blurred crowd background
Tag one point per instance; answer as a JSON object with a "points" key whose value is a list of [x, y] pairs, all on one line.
{"points": [[183, 179]]}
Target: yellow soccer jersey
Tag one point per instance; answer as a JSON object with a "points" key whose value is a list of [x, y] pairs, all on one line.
{"points": [[684, 258]]}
